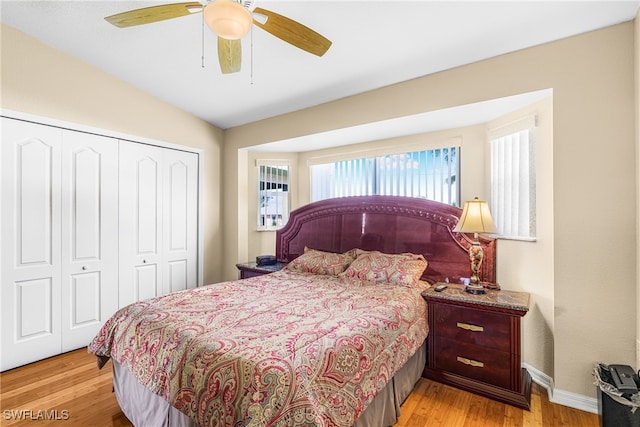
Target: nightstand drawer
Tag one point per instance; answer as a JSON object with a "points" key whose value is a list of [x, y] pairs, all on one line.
{"points": [[468, 325], [479, 363]]}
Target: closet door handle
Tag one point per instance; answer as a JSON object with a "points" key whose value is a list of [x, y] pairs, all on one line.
{"points": [[84, 267], [144, 261]]}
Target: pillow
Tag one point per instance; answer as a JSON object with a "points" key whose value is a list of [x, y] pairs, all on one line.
{"points": [[401, 269], [320, 262]]}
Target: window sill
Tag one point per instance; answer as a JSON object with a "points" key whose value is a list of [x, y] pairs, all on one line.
{"points": [[521, 239], [267, 229]]}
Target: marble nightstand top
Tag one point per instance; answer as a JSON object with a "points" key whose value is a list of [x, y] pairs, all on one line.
{"points": [[500, 299]]}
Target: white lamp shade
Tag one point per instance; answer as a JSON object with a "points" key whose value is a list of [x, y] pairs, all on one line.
{"points": [[476, 218], [228, 19]]}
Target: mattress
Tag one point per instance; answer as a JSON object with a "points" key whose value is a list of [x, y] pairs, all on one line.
{"points": [[145, 409], [284, 349]]}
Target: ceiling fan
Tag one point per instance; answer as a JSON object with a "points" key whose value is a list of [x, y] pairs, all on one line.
{"points": [[229, 20]]}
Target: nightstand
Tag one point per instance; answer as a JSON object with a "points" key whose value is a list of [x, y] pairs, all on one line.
{"points": [[474, 342], [252, 269]]}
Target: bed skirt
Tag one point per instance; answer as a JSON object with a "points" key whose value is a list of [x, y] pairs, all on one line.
{"points": [[146, 409]]}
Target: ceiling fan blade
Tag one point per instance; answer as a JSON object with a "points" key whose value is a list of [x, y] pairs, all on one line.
{"points": [[151, 14], [229, 55], [293, 32]]}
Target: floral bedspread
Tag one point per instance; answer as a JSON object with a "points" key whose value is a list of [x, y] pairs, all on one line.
{"points": [[283, 349]]}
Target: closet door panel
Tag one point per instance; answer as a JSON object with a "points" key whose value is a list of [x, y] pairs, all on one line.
{"points": [[34, 173], [140, 221], [181, 220], [34, 308], [146, 282], [177, 277], [30, 257], [147, 198], [86, 301], [89, 235]]}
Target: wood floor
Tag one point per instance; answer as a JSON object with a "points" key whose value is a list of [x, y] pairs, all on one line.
{"points": [[69, 390]]}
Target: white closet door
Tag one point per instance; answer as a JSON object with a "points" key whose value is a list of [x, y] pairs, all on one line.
{"points": [[30, 248], [140, 222], [89, 235], [180, 228]]}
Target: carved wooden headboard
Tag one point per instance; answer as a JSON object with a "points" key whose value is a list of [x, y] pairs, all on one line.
{"points": [[390, 224]]}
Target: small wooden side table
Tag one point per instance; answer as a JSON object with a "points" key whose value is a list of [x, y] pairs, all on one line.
{"points": [[474, 342], [252, 269]]}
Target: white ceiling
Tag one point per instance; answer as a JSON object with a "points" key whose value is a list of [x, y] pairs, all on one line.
{"points": [[375, 44]]}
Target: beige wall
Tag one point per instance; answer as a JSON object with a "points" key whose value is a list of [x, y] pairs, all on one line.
{"points": [[637, 113], [529, 266], [42, 81], [593, 193]]}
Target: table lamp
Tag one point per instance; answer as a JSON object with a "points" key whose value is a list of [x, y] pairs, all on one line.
{"points": [[475, 218]]}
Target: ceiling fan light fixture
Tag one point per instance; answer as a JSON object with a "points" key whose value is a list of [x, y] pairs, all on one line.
{"points": [[228, 19]]}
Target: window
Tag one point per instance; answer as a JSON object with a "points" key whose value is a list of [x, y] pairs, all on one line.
{"points": [[513, 181], [273, 196], [429, 174]]}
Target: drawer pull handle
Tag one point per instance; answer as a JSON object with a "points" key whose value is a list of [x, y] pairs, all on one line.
{"points": [[470, 362], [468, 327]]}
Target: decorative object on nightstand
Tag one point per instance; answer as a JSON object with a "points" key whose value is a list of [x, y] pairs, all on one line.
{"points": [[266, 260], [252, 269], [474, 342], [475, 218]]}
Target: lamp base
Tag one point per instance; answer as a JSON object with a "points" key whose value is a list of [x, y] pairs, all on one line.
{"points": [[475, 289]]}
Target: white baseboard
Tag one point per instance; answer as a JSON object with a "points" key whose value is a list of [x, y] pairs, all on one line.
{"points": [[562, 397]]}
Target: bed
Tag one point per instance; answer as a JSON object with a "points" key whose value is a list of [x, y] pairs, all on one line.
{"points": [[336, 338]]}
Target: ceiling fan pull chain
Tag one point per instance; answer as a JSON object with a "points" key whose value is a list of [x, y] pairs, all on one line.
{"points": [[251, 52]]}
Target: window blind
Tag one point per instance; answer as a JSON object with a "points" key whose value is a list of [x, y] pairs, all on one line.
{"points": [[513, 184], [273, 196], [429, 174]]}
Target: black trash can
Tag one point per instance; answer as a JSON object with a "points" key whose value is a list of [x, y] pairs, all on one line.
{"points": [[615, 409]]}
